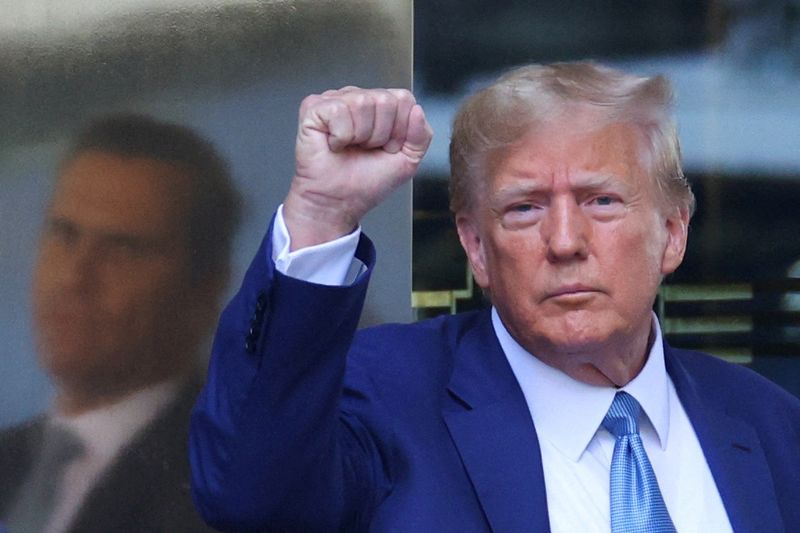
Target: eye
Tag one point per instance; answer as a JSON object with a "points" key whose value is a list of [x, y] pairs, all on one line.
{"points": [[604, 200], [126, 246], [62, 231], [604, 206], [521, 215]]}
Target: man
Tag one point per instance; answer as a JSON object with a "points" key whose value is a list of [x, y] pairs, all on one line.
{"points": [[560, 409], [132, 261]]}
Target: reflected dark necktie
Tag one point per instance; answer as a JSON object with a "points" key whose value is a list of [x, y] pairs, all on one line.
{"points": [[636, 502], [36, 498]]}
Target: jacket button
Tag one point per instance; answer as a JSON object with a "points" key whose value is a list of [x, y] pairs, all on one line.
{"points": [[261, 302]]}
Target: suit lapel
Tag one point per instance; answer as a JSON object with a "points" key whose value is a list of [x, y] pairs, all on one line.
{"points": [[146, 488], [732, 450], [491, 427], [19, 446]]}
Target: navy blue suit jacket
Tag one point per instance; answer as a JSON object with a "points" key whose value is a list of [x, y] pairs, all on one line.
{"points": [[305, 425]]}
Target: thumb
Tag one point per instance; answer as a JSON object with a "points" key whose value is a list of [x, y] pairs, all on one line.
{"points": [[419, 135]]}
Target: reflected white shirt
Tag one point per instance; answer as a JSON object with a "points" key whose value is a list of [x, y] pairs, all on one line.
{"points": [[103, 433]]}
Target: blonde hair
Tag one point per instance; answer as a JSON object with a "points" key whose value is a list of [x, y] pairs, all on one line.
{"points": [[494, 119]]}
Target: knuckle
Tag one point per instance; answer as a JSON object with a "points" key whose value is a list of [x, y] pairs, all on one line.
{"points": [[336, 108], [403, 95], [361, 99], [310, 102], [384, 99]]}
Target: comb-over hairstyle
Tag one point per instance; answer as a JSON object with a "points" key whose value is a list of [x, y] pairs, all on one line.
{"points": [[494, 119], [215, 206]]}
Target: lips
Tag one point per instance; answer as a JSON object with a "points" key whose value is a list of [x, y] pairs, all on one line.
{"points": [[572, 291]]}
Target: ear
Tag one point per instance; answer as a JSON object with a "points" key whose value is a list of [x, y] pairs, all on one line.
{"points": [[677, 226], [471, 241]]}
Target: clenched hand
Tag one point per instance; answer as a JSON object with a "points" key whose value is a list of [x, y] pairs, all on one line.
{"points": [[354, 147]]}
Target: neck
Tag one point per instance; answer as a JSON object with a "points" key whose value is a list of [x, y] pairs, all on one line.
{"points": [[614, 363], [615, 373]]}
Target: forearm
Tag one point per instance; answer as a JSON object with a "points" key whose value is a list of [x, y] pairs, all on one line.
{"points": [[278, 440]]}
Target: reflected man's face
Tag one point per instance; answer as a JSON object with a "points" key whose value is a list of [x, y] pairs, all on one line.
{"points": [[571, 243], [111, 284]]}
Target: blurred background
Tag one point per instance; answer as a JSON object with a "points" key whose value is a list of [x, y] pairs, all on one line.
{"points": [[235, 71], [735, 68]]}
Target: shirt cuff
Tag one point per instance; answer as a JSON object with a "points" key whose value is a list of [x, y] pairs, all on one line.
{"points": [[331, 263]]}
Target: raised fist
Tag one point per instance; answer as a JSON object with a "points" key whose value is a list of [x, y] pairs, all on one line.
{"points": [[354, 147]]}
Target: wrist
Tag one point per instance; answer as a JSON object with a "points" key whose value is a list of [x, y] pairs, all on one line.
{"points": [[311, 222]]}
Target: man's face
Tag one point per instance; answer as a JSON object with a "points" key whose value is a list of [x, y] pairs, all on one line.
{"points": [[111, 288], [572, 244]]}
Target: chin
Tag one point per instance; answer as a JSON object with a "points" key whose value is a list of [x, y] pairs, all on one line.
{"points": [[575, 332], [65, 357], [62, 366]]}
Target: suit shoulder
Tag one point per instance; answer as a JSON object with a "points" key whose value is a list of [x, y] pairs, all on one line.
{"points": [[441, 331], [420, 350], [21, 432], [18, 444], [736, 383]]}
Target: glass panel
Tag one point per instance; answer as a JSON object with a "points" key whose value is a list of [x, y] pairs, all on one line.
{"points": [[115, 279]]}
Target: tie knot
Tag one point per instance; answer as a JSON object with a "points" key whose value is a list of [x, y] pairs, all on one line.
{"points": [[623, 415]]}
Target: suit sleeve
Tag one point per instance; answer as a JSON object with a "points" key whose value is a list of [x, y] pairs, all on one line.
{"points": [[277, 441]]}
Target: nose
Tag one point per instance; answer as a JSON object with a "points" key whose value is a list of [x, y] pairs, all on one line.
{"points": [[566, 230]]}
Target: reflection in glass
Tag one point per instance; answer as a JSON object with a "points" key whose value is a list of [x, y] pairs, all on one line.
{"points": [[132, 260], [117, 246]]}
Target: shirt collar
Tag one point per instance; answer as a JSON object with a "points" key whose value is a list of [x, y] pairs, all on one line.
{"points": [[567, 412], [104, 431]]}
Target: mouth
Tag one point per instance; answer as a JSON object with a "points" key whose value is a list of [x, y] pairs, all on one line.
{"points": [[574, 292]]}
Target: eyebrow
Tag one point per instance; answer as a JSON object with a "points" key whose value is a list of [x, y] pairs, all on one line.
{"points": [[144, 241], [585, 184]]}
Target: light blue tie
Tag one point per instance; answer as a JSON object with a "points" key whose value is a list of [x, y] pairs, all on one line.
{"points": [[636, 502]]}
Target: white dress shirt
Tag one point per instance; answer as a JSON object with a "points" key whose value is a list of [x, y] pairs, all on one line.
{"points": [[332, 263], [567, 414], [103, 433], [576, 450]]}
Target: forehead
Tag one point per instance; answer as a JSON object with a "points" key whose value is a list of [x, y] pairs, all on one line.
{"points": [[119, 193], [575, 150]]}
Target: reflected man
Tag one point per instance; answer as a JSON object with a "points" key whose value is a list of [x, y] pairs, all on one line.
{"points": [[561, 408], [132, 261]]}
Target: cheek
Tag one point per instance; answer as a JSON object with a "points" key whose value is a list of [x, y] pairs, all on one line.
{"points": [[45, 290], [44, 269], [144, 293], [645, 239], [637, 268], [512, 264], [654, 244]]}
